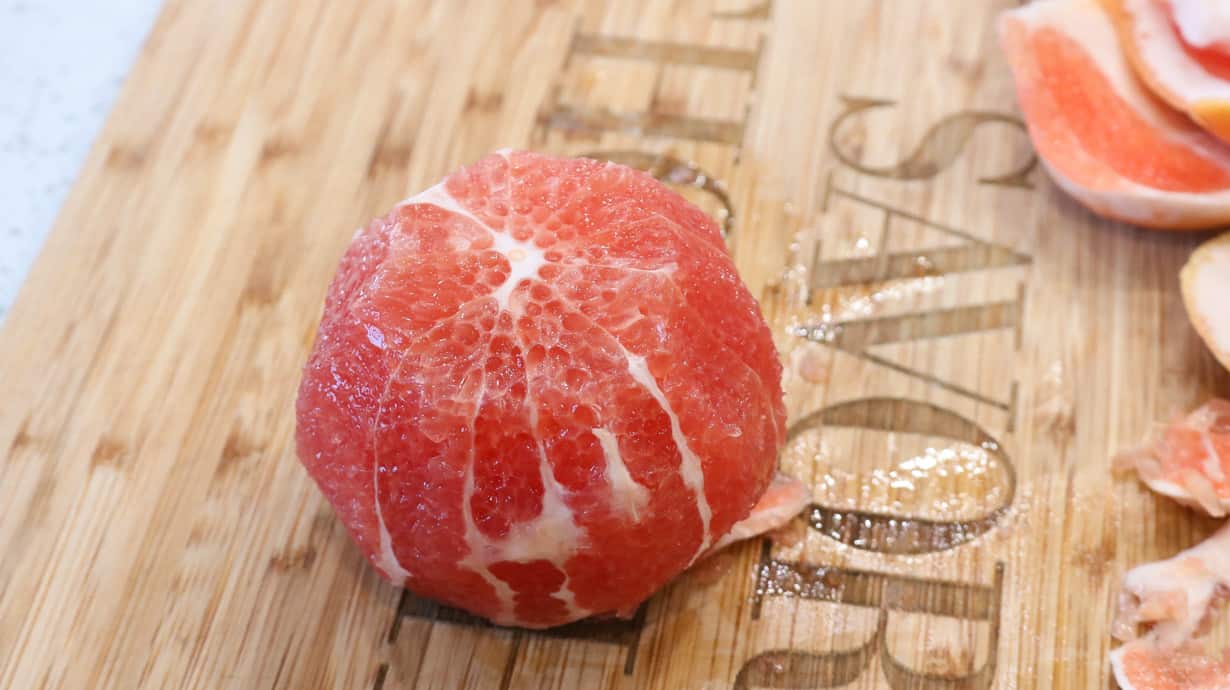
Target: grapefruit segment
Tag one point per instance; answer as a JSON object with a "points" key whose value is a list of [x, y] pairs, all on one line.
{"points": [[540, 391], [1100, 134], [1176, 48], [1205, 280], [337, 457]]}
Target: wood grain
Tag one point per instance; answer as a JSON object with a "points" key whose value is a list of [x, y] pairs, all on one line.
{"points": [[883, 201]]}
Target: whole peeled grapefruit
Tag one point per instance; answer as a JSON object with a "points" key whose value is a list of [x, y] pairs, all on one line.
{"points": [[540, 390]]}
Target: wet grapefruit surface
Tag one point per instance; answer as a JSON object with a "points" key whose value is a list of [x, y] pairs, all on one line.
{"points": [[540, 390]]}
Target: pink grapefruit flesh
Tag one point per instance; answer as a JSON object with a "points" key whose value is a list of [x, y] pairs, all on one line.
{"points": [[540, 390]]}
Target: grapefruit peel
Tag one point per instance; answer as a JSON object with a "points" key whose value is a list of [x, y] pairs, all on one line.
{"points": [[1193, 78], [1104, 139], [1205, 282], [1178, 598]]}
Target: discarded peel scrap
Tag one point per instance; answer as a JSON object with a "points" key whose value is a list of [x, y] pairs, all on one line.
{"points": [[1100, 133], [1181, 49], [1205, 280], [540, 391], [1178, 598]]}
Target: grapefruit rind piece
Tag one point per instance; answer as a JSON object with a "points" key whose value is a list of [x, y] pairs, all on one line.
{"points": [[1101, 135], [1203, 24], [1205, 281], [1190, 462], [785, 498], [1155, 45], [1139, 665], [1178, 598]]}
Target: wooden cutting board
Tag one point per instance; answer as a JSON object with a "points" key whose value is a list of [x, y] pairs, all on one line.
{"points": [[965, 349]]}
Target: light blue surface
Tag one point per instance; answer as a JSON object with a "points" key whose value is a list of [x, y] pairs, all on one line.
{"points": [[62, 62]]}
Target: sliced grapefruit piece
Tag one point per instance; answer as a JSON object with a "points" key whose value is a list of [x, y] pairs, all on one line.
{"points": [[1191, 461], [1179, 49], [1102, 136], [1206, 293]]}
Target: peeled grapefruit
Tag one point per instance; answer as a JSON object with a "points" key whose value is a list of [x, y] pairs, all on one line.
{"points": [[1181, 49], [540, 391], [1102, 136]]}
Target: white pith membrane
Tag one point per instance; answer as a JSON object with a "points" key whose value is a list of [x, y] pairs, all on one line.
{"points": [[689, 464], [554, 534], [1202, 24], [1089, 26], [632, 496], [1205, 281], [1178, 597]]}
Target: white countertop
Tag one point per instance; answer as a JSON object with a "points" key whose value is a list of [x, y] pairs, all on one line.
{"points": [[62, 62]]}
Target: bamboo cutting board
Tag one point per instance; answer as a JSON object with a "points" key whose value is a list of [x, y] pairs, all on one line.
{"points": [[965, 349]]}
